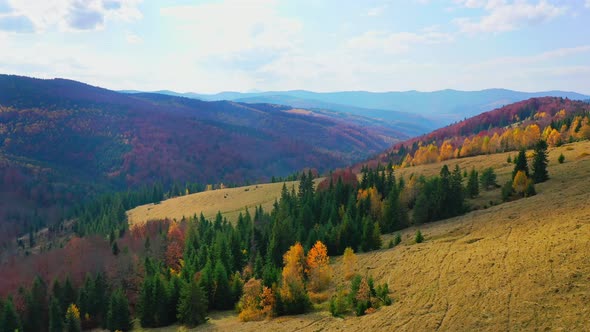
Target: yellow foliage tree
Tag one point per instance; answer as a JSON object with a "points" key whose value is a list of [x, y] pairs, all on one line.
{"points": [[349, 262], [374, 198], [520, 183], [446, 151], [554, 138], [319, 273], [292, 285], [257, 302]]}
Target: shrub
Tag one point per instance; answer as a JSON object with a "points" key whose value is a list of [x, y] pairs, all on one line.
{"points": [[507, 191], [338, 303], [419, 237], [561, 158], [397, 239]]}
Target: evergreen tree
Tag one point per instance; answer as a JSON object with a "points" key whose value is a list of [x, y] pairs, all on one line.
{"points": [[9, 320], [419, 237], [520, 164], [118, 315], [473, 184], [223, 298], [56, 316], [540, 161], [561, 158], [36, 307], [69, 295], [192, 307], [488, 179]]}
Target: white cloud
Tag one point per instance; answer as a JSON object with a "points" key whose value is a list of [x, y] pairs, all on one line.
{"points": [[504, 16], [587, 3], [377, 11], [133, 38], [397, 42], [67, 15], [233, 27]]}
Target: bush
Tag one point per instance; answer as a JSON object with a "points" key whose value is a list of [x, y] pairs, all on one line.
{"points": [[488, 179], [561, 158], [338, 303], [397, 239], [382, 293], [419, 237], [530, 189]]}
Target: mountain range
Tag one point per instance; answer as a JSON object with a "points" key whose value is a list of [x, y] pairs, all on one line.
{"points": [[418, 112]]}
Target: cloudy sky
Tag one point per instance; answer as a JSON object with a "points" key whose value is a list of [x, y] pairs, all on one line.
{"points": [[321, 45]]}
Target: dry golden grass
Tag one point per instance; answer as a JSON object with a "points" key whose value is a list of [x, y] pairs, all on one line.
{"points": [[230, 202], [518, 266]]}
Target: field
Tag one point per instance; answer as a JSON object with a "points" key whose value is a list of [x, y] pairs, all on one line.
{"points": [[517, 266], [229, 201]]}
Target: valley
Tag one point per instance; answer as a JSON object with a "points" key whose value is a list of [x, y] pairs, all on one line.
{"points": [[520, 265]]}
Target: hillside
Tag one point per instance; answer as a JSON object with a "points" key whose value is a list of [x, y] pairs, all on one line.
{"points": [[507, 128], [442, 107], [62, 141], [516, 266], [230, 202]]}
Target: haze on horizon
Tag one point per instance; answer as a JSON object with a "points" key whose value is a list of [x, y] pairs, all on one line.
{"points": [[387, 45]]}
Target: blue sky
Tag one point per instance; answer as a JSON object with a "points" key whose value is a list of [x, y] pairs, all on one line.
{"points": [[320, 45]]}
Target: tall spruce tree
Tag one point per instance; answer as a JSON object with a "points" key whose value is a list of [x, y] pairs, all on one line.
{"points": [[473, 184], [540, 161], [520, 164], [9, 319], [192, 307], [56, 316], [118, 315]]}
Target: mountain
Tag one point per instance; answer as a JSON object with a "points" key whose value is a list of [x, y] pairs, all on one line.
{"points": [[441, 107], [61, 140]]}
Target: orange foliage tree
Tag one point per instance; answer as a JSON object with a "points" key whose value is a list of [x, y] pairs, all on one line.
{"points": [[175, 247], [257, 302], [293, 293], [319, 273]]}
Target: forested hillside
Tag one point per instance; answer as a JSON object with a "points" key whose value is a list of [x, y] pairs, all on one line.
{"points": [[510, 128], [62, 140]]}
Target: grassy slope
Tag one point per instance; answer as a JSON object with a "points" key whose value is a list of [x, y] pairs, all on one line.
{"points": [[230, 202], [521, 265]]}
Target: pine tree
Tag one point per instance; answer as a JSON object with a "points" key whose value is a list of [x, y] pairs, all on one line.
{"points": [[9, 320], [473, 184], [36, 307], [488, 179], [540, 161], [561, 158], [419, 237], [222, 299], [118, 314], [520, 164], [56, 317], [192, 308]]}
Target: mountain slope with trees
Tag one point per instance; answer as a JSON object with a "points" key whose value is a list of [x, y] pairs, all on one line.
{"points": [[62, 141]]}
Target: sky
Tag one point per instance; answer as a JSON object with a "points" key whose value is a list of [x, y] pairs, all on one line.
{"points": [[318, 45]]}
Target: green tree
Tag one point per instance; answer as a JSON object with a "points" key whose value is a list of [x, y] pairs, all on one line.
{"points": [[488, 178], [192, 308], [419, 237], [561, 158], [56, 317], [35, 317], [540, 161], [473, 184], [118, 315], [9, 320], [520, 164]]}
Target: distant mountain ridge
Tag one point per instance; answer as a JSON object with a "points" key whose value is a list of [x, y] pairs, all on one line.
{"points": [[441, 107]]}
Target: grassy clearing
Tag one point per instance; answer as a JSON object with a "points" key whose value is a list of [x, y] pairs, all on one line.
{"points": [[522, 265]]}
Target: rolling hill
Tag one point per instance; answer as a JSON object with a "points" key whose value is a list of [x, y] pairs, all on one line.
{"points": [[61, 141], [520, 265]]}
